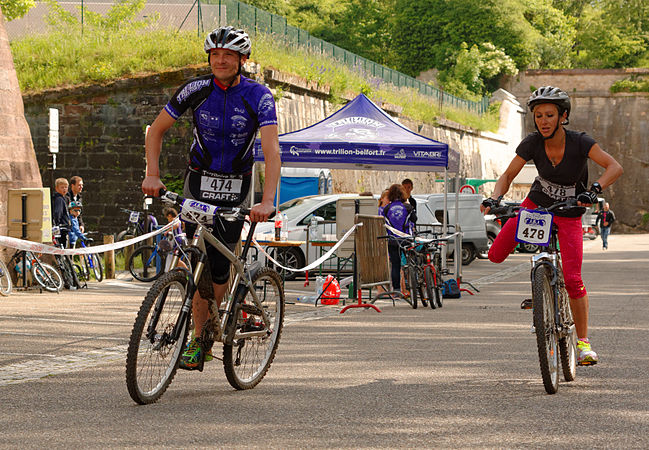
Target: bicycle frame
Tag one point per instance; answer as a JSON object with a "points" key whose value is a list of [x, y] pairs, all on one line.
{"points": [[197, 247], [551, 258]]}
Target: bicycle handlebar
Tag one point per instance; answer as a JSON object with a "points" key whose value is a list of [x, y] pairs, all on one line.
{"points": [[205, 208], [568, 205]]}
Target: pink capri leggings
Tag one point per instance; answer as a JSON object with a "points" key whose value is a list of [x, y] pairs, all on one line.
{"points": [[570, 243]]}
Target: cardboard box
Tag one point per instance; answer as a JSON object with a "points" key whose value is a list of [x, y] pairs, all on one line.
{"points": [[38, 214]]}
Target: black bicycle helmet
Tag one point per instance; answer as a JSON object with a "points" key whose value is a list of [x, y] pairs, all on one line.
{"points": [[228, 38], [550, 94]]}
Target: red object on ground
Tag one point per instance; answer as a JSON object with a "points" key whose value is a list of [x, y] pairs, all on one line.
{"points": [[331, 293]]}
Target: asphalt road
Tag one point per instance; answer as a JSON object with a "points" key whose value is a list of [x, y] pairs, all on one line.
{"points": [[465, 375]]}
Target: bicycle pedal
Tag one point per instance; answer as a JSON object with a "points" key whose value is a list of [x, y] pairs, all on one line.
{"points": [[526, 304]]}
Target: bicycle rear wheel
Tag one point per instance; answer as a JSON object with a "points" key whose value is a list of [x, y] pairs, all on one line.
{"points": [[47, 277], [153, 353], [429, 279], [6, 284], [247, 359], [145, 263], [546, 339], [411, 283]]}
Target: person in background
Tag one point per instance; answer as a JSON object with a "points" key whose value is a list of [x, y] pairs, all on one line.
{"points": [[407, 189], [75, 232], [605, 219], [396, 215], [74, 195], [60, 216], [383, 201]]}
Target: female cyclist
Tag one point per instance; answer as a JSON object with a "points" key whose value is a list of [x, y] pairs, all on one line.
{"points": [[561, 157]]}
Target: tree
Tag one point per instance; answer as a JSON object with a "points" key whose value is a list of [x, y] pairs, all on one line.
{"points": [[556, 35], [611, 37], [427, 32], [14, 9]]}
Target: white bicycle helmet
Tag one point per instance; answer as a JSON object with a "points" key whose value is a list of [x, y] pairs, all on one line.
{"points": [[229, 38], [550, 94]]}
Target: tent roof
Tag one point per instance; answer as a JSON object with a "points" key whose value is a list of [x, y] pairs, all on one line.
{"points": [[361, 135]]}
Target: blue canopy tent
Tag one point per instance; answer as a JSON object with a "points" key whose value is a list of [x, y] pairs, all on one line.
{"points": [[363, 136]]}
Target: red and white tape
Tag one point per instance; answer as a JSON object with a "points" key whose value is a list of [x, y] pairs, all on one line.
{"points": [[20, 244], [315, 263]]}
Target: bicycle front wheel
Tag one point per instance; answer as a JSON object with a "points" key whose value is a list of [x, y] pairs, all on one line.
{"points": [[145, 263], [546, 338], [153, 350], [5, 280], [247, 359], [568, 343], [47, 277], [431, 290]]}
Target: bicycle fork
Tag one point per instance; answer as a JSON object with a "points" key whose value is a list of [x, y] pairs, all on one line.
{"points": [[550, 261]]}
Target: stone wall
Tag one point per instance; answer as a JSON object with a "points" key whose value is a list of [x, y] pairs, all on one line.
{"points": [[619, 122], [102, 138], [18, 168]]}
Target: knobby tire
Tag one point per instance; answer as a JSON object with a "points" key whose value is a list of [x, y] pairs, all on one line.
{"points": [[546, 339], [152, 361], [247, 360], [567, 344], [429, 278], [144, 256]]}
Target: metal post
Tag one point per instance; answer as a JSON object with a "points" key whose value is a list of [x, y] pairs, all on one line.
{"points": [[24, 236]]}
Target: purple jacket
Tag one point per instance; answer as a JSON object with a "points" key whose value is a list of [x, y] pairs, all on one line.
{"points": [[396, 214]]}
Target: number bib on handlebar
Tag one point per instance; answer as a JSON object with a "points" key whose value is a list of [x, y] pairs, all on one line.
{"points": [[134, 217], [198, 212], [534, 227]]}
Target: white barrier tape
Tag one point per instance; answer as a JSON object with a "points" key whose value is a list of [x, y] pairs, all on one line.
{"points": [[35, 247], [315, 263], [418, 239]]}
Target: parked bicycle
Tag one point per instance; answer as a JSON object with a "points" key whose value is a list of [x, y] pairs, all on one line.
{"points": [[6, 285], [430, 251], [89, 264], [45, 275], [556, 335], [70, 272], [135, 225], [248, 323], [148, 262]]}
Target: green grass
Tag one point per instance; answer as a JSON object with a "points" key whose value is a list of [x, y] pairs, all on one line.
{"points": [[63, 59]]}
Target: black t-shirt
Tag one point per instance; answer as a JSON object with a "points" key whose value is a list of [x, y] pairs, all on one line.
{"points": [[569, 178]]}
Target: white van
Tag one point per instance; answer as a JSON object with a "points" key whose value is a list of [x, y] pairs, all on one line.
{"points": [[472, 222]]}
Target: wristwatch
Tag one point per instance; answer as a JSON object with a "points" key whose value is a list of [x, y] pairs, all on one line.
{"points": [[596, 187]]}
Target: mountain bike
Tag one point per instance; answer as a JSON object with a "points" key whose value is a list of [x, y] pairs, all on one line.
{"points": [[248, 322], [413, 270], [148, 262], [89, 264], [70, 272], [45, 275], [431, 258], [135, 224], [6, 285], [556, 335]]}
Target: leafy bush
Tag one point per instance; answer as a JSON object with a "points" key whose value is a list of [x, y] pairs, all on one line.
{"points": [[632, 84]]}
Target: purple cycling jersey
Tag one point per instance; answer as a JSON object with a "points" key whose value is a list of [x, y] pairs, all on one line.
{"points": [[225, 121]]}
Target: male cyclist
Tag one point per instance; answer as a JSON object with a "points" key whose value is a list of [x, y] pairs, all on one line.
{"points": [[560, 157], [227, 110]]}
